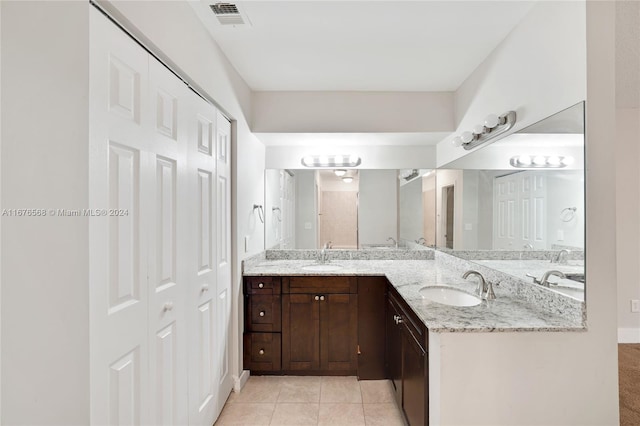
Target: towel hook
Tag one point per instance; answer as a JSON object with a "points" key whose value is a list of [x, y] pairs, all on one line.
{"points": [[260, 211]]}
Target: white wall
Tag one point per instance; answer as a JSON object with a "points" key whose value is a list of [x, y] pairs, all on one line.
{"points": [[373, 157], [627, 157], [410, 210], [536, 71], [306, 210], [360, 112], [627, 229], [377, 206], [550, 378], [565, 189], [45, 117], [272, 234]]}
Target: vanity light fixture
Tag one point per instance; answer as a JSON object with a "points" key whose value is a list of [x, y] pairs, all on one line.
{"points": [[493, 126], [331, 161], [340, 172], [347, 179], [541, 161]]}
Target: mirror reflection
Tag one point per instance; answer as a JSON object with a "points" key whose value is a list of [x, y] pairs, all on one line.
{"points": [[341, 209], [517, 205]]}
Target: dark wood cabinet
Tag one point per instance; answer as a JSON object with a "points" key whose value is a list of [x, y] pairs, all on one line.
{"points": [[407, 361], [338, 325], [319, 325], [262, 323], [372, 299]]}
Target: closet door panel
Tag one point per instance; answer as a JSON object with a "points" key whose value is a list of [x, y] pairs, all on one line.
{"points": [[118, 166], [223, 253], [167, 271], [202, 300]]}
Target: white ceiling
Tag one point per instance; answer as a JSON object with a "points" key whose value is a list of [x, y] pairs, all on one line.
{"points": [[362, 45]]}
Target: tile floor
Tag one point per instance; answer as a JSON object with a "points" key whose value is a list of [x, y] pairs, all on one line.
{"points": [[308, 400]]}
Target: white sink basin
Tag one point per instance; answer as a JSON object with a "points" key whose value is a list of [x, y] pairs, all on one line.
{"points": [[321, 268], [449, 296]]}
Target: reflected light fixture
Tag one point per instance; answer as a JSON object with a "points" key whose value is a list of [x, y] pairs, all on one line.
{"points": [[331, 160], [347, 179], [340, 172], [493, 126], [541, 161]]}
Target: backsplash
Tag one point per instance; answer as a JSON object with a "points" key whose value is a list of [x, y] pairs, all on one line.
{"points": [[363, 254], [511, 254], [546, 299]]}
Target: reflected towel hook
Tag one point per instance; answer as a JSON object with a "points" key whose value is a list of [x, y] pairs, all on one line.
{"points": [[278, 216], [260, 211], [567, 214]]}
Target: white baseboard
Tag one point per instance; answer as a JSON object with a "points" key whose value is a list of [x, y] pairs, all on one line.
{"points": [[629, 335], [239, 382]]}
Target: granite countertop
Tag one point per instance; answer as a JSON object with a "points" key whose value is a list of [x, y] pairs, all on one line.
{"points": [[508, 313]]}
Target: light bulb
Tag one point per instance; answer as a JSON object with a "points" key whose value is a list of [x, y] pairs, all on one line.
{"points": [[354, 160], [347, 179], [525, 160], [491, 121], [466, 137], [340, 172], [567, 161], [553, 160], [478, 129], [457, 141], [539, 160], [307, 161], [338, 160], [323, 160]]}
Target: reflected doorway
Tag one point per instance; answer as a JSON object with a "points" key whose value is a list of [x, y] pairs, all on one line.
{"points": [[448, 193]]}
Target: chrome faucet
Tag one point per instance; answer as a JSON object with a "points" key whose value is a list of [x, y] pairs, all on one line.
{"points": [[528, 247], [322, 258], [560, 257], [395, 243], [544, 280], [484, 288]]}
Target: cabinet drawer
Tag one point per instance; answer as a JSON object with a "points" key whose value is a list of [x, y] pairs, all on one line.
{"points": [[262, 285], [262, 351], [320, 285], [263, 313]]}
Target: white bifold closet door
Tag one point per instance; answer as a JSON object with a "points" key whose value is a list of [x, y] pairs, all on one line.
{"points": [[160, 297]]}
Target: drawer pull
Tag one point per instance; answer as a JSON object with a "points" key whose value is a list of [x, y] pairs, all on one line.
{"points": [[261, 313], [317, 298], [261, 351], [261, 285]]}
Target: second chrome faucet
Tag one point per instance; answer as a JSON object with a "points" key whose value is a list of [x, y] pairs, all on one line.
{"points": [[484, 288]]}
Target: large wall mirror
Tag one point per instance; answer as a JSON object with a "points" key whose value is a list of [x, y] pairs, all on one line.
{"points": [[517, 205], [342, 208]]}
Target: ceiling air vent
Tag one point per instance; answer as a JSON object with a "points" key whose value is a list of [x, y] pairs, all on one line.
{"points": [[227, 14]]}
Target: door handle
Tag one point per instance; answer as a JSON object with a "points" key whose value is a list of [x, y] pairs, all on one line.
{"points": [[168, 306]]}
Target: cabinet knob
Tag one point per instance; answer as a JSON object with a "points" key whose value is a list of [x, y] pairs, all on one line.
{"points": [[261, 313], [317, 298], [261, 285], [261, 351], [168, 306], [321, 297]]}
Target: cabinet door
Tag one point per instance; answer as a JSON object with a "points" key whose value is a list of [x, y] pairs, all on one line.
{"points": [[414, 380], [300, 332], [371, 323], [338, 332], [393, 353]]}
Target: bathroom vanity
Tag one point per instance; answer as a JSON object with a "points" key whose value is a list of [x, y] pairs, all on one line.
{"points": [[368, 318]]}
